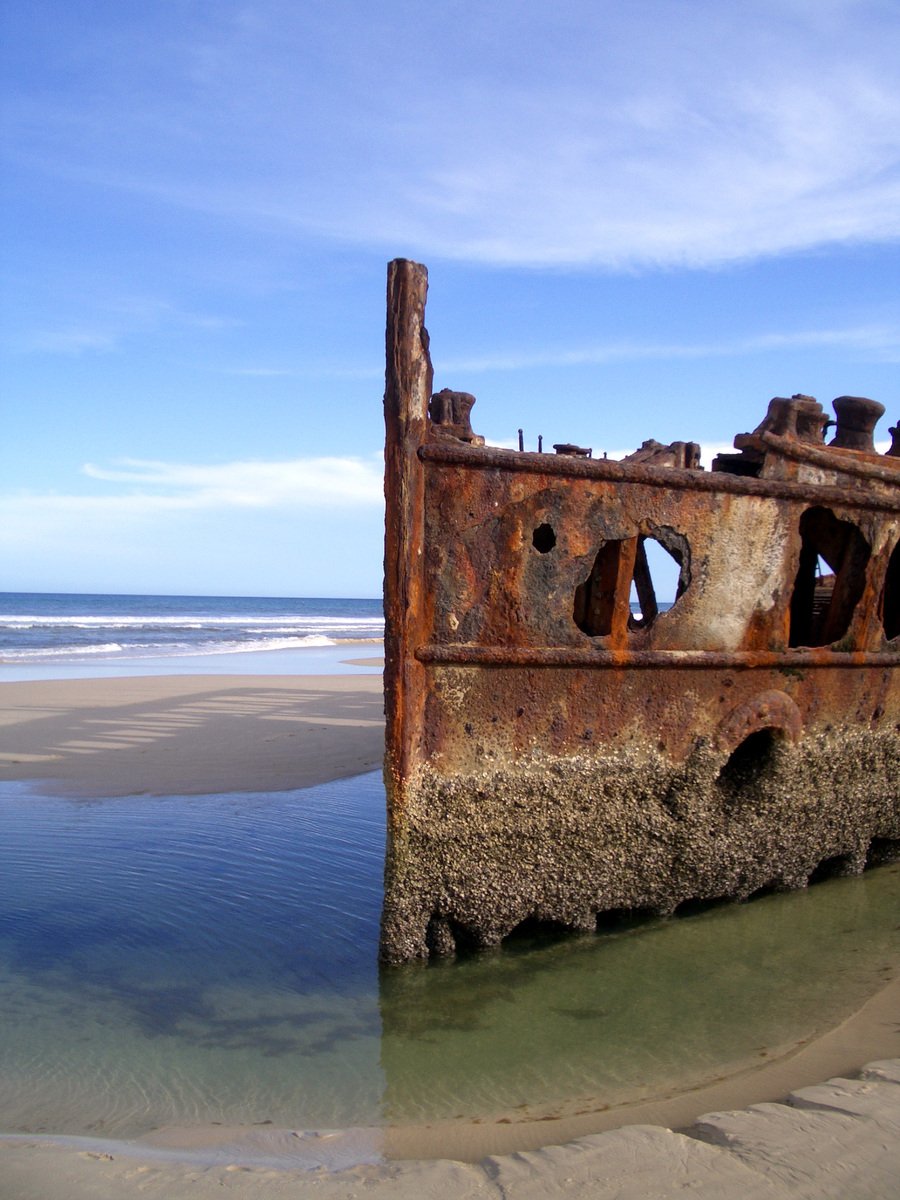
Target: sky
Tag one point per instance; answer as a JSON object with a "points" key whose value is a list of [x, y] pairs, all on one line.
{"points": [[640, 220]]}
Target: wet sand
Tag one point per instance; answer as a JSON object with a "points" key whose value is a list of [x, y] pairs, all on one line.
{"points": [[834, 1141], [190, 735], [193, 735]]}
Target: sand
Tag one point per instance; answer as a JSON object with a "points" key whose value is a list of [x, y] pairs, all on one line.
{"points": [[834, 1141], [193, 735], [190, 735]]}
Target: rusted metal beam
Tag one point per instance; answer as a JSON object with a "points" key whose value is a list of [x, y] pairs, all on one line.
{"points": [[595, 658], [492, 458]]}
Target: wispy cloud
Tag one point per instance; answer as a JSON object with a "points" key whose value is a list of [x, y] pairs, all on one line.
{"points": [[307, 482], [279, 528], [261, 372], [151, 504], [307, 371], [623, 136], [112, 321], [71, 340], [875, 342], [881, 342]]}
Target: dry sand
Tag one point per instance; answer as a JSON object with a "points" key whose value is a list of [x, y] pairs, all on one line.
{"points": [[207, 734]]}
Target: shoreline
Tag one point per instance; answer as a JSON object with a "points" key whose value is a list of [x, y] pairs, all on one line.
{"points": [[205, 734], [870, 1034], [830, 1140]]}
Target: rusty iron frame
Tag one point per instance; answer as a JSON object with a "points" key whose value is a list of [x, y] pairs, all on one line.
{"points": [[499, 732]]}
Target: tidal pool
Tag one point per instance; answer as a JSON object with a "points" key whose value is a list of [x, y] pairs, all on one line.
{"points": [[179, 960]]}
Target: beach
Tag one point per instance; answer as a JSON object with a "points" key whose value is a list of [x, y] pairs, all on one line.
{"points": [[195, 735], [190, 734]]}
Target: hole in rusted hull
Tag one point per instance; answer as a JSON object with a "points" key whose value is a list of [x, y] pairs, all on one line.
{"points": [[822, 605], [624, 571], [883, 850], [774, 888], [650, 562], [890, 597], [620, 920], [543, 539], [535, 932], [833, 868], [694, 908], [750, 762]]}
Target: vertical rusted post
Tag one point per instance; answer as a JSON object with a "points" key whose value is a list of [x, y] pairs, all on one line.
{"points": [[408, 386]]}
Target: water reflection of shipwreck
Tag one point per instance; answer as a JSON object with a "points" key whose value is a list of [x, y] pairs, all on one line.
{"points": [[549, 755]]}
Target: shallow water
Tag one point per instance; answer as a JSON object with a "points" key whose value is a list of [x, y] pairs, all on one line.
{"points": [[172, 960]]}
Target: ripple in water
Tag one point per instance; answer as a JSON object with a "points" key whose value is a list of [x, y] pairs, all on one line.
{"points": [[174, 960]]}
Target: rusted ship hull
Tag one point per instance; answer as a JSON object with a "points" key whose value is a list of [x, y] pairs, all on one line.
{"points": [[549, 755]]}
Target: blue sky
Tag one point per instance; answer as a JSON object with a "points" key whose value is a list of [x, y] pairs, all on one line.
{"points": [[640, 220]]}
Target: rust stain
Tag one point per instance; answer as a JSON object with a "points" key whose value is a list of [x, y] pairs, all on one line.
{"points": [[553, 754]]}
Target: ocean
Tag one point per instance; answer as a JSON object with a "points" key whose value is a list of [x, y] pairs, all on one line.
{"points": [[59, 632]]}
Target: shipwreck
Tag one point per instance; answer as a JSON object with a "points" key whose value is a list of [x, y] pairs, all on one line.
{"points": [[558, 753]]}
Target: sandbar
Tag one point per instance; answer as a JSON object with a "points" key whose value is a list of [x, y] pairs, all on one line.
{"points": [[190, 734]]}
